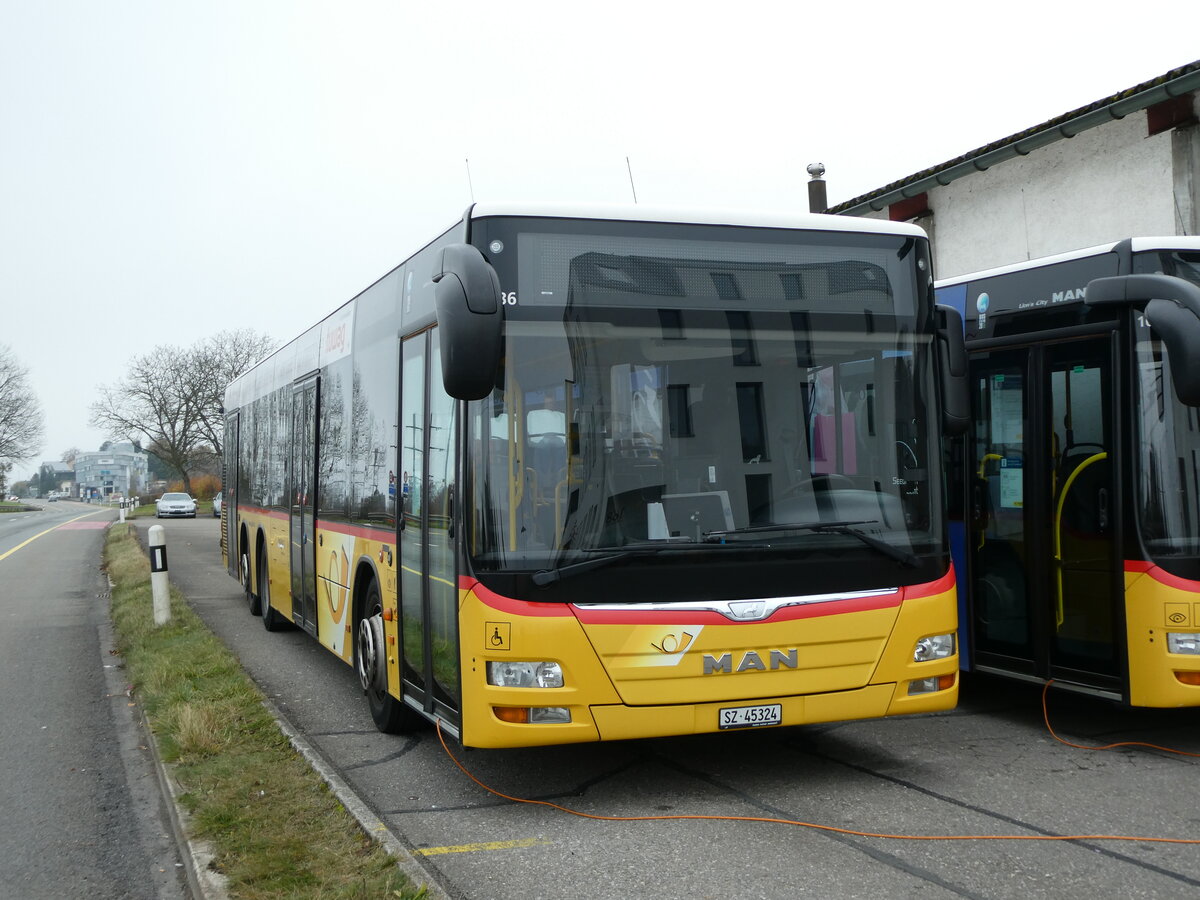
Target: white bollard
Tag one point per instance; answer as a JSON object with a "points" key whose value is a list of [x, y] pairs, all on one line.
{"points": [[158, 576], [122, 512]]}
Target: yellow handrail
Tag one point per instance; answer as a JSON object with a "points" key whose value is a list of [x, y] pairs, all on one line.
{"points": [[982, 466], [1062, 498]]}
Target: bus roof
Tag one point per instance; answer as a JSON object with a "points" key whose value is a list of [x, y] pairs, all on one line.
{"points": [[1139, 245], [628, 212]]}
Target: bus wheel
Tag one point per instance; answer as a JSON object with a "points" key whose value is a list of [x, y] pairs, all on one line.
{"points": [[251, 598], [272, 621], [370, 661]]}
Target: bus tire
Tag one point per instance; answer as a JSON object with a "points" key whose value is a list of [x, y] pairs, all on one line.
{"points": [[272, 620], [252, 600], [391, 716]]}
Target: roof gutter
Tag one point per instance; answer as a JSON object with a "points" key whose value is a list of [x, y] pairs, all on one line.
{"points": [[983, 159]]}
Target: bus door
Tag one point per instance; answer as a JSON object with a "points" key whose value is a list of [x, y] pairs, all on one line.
{"points": [[428, 558], [303, 505], [229, 479], [1044, 573]]}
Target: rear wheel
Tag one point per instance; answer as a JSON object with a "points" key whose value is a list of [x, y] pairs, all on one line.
{"points": [[272, 621], [252, 599], [391, 716]]}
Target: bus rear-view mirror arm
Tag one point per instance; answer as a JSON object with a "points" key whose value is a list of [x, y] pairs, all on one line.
{"points": [[470, 322], [1172, 309], [952, 367]]}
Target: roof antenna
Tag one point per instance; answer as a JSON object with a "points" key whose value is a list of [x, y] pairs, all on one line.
{"points": [[631, 187], [470, 185]]}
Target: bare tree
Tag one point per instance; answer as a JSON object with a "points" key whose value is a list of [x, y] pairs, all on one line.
{"points": [[170, 399], [155, 402], [216, 362], [21, 422]]}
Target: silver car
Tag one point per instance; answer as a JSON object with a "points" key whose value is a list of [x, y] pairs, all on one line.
{"points": [[175, 505], [217, 506]]}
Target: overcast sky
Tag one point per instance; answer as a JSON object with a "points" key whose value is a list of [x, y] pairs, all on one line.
{"points": [[171, 169]]}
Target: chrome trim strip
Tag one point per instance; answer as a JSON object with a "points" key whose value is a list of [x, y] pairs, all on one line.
{"points": [[741, 610]]}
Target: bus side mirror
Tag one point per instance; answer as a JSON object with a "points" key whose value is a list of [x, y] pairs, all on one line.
{"points": [[470, 322], [1173, 310], [952, 367]]}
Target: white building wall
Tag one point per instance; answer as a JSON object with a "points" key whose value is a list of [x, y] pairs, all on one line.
{"points": [[1107, 183], [1104, 184]]}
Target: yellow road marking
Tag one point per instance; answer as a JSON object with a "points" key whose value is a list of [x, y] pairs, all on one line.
{"points": [[487, 845], [431, 577], [9, 553]]}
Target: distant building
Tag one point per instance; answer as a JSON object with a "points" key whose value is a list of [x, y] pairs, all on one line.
{"points": [[55, 475], [1125, 165], [122, 470]]}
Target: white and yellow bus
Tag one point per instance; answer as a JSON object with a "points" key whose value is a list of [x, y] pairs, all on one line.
{"points": [[589, 474]]}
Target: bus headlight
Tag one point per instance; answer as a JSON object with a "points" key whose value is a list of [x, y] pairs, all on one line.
{"points": [[525, 674], [1183, 642], [936, 646]]}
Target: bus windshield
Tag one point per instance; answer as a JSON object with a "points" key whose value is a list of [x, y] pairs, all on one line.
{"points": [[681, 396], [1168, 470]]}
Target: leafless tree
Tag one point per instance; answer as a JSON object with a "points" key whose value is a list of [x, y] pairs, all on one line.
{"points": [[21, 421], [214, 363], [170, 399]]}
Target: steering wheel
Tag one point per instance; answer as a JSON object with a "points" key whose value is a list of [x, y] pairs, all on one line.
{"points": [[827, 481]]}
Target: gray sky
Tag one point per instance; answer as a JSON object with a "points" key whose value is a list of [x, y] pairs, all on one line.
{"points": [[170, 169]]}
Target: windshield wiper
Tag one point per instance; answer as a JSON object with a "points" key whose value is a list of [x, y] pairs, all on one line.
{"points": [[634, 548], [901, 556], [715, 537]]}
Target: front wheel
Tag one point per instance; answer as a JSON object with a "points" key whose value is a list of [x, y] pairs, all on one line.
{"points": [[391, 716]]}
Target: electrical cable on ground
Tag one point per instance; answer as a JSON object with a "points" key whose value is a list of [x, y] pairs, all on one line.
{"points": [[1053, 734], [813, 825]]}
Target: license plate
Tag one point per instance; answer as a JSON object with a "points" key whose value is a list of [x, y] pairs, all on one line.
{"points": [[750, 716]]}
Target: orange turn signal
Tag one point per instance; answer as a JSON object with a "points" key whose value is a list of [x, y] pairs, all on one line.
{"points": [[516, 714]]}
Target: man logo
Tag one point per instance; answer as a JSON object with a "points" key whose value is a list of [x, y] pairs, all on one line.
{"points": [[751, 661]]}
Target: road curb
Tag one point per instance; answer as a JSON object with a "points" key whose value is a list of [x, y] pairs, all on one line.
{"points": [[201, 881], [206, 884], [370, 823]]}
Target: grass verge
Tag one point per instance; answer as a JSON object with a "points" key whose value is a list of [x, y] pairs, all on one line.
{"points": [[274, 828]]}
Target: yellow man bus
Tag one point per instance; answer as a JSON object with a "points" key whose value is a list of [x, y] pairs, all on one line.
{"points": [[580, 474], [1080, 535]]}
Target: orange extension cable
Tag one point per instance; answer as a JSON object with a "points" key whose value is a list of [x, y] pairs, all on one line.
{"points": [[813, 825], [1053, 734]]}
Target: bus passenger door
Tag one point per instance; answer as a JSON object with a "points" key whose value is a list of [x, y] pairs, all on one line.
{"points": [[1044, 577], [428, 561], [303, 505], [229, 494]]}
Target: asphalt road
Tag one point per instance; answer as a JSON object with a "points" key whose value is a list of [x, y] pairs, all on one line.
{"points": [[990, 768], [81, 812]]}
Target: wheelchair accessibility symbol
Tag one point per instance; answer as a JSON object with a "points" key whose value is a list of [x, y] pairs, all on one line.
{"points": [[497, 635]]}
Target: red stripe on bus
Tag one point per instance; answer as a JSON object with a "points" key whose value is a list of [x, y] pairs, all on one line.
{"points": [[384, 533], [701, 617], [1141, 567], [706, 617], [931, 588], [510, 606]]}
